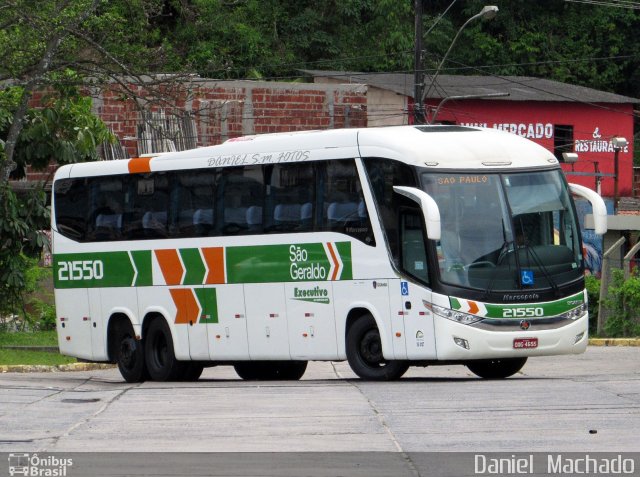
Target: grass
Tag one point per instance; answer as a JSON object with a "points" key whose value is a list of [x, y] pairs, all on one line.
{"points": [[37, 338], [11, 357]]}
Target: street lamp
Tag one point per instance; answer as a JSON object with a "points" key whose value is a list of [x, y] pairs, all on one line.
{"points": [[618, 143], [488, 12]]}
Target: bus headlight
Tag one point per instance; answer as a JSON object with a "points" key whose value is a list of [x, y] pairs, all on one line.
{"points": [[575, 313], [453, 315]]}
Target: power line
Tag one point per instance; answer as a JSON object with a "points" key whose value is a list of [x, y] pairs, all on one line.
{"points": [[611, 3]]}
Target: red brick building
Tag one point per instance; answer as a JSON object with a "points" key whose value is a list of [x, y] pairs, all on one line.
{"points": [[559, 116]]}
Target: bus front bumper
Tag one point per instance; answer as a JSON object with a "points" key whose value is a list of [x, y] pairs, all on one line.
{"points": [[456, 341]]}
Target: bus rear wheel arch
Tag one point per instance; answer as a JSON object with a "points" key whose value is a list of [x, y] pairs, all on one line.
{"points": [[364, 352], [126, 350], [496, 368]]}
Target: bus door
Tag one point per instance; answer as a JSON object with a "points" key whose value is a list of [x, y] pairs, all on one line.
{"points": [[312, 326], [227, 329], [414, 291], [266, 321]]}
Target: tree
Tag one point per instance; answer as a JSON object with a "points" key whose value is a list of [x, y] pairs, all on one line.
{"points": [[58, 48]]}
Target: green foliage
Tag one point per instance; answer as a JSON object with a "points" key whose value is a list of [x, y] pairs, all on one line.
{"points": [[593, 295], [18, 357], [28, 338], [623, 301], [64, 131]]}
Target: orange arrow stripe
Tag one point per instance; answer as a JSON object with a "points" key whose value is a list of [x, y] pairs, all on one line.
{"points": [[214, 257], [188, 309], [473, 308], [335, 261], [171, 266]]}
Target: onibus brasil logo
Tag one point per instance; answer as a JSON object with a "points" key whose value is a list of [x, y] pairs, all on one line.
{"points": [[37, 466]]}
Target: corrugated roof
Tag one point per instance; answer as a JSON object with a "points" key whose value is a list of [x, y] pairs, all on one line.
{"points": [[520, 88]]}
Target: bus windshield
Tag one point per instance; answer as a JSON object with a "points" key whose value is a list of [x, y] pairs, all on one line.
{"points": [[509, 231]]}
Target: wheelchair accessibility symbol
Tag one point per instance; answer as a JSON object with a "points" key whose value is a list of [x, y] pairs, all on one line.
{"points": [[404, 288], [526, 277]]}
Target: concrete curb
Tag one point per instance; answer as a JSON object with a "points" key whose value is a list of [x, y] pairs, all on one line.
{"points": [[614, 341], [40, 368]]}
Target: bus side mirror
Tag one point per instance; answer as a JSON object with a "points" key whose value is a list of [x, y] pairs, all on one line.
{"points": [[599, 208], [429, 209]]}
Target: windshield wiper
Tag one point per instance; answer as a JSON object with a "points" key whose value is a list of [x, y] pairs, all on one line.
{"points": [[504, 251], [543, 268]]}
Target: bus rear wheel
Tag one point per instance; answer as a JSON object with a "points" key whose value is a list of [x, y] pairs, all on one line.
{"points": [[270, 370], [129, 354], [162, 364], [364, 353], [496, 368]]}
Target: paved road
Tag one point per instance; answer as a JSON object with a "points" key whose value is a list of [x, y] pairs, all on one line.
{"points": [[581, 403]]}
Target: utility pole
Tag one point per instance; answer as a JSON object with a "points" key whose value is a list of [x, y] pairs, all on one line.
{"points": [[418, 77]]}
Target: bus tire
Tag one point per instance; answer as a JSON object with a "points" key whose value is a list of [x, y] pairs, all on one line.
{"points": [[129, 353], [364, 353], [496, 368], [192, 372], [162, 364], [270, 370], [247, 370]]}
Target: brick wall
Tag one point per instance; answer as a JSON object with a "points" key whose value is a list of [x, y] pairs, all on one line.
{"points": [[223, 110]]}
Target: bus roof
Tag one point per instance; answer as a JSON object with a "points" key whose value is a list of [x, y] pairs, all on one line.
{"points": [[437, 147]]}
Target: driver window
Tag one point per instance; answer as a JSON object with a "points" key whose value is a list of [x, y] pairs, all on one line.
{"points": [[412, 243]]}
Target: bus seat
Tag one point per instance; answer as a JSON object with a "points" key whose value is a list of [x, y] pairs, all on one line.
{"points": [[341, 212], [254, 218], [203, 217], [235, 215], [202, 221], [306, 215], [287, 213], [108, 226], [155, 223]]}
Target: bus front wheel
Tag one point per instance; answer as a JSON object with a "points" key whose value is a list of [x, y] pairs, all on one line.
{"points": [[364, 353], [496, 368], [162, 364]]}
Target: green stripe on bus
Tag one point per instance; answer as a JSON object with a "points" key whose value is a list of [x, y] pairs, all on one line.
{"points": [[93, 270], [195, 269], [142, 262], [209, 304]]}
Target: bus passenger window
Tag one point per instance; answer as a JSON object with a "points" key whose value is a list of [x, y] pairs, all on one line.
{"points": [[242, 196], [71, 201], [343, 202], [290, 198]]}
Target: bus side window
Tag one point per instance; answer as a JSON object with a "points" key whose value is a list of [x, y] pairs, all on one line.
{"points": [[71, 202], [242, 195], [383, 175], [343, 202], [290, 198], [412, 245], [106, 208], [192, 204]]}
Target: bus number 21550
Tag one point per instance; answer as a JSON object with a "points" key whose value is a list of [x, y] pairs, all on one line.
{"points": [[522, 312], [81, 270]]}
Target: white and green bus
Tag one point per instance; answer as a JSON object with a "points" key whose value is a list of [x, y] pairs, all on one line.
{"points": [[387, 247]]}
